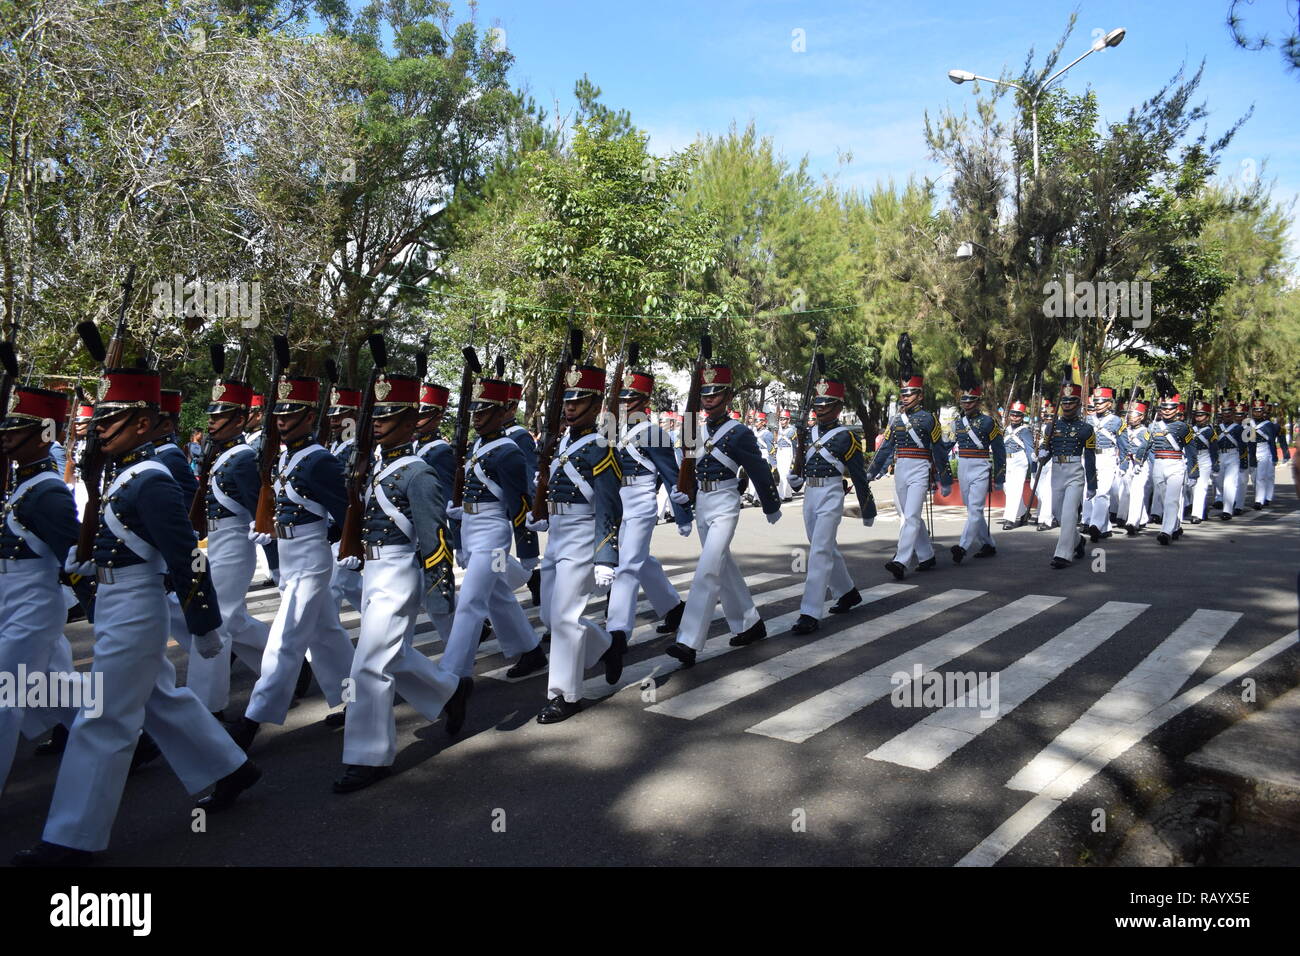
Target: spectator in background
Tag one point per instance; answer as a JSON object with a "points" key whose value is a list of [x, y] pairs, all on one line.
{"points": [[195, 450]]}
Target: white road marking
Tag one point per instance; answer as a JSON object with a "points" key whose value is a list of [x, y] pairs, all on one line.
{"points": [[929, 742], [835, 704], [732, 687]]}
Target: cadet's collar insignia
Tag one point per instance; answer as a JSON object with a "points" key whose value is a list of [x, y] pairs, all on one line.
{"points": [[823, 387], [573, 378], [285, 389], [382, 388], [478, 391], [709, 375]]}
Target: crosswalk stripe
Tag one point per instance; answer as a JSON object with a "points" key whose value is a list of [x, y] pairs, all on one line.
{"points": [[929, 742], [1021, 823], [645, 633], [1153, 682], [732, 687], [663, 664], [828, 708]]}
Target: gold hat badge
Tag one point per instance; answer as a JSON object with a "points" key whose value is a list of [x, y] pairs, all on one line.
{"points": [[823, 387], [708, 375], [286, 388], [217, 391], [573, 378], [382, 388]]}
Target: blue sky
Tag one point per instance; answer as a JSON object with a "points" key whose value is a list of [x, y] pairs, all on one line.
{"points": [[871, 69]]}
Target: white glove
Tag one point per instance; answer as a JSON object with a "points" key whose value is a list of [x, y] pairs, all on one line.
{"points": [[774, 517], [539, 525], [84, 568], [684, 529], [795, 482], [604, 577], [208, 645], [461, 561], [349, 564], [1044, 453], [454, 513], [679, 497], [257, 537], [529, 564]]}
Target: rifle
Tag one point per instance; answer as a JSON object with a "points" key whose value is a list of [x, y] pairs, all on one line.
{"points": [[460, 441], [350, 539], [612, 404], [199, 506], [691, 420], [10, 361], [327, 387], [264, 519], [816, 367], [92, 459], [553, 427]]}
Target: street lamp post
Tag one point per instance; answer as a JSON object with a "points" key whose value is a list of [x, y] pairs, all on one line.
{"points": [[1113, 38]]}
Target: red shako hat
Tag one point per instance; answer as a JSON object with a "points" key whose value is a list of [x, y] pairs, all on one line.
{"points": [[30, 406], [121, 389]]}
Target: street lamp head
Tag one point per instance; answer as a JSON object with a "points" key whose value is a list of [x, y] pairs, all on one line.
{"points": [[1113, 38], [960, 76], [965, 250]]}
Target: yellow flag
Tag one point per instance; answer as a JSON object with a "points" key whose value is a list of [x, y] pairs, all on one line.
{"points": [[1075, 372]]}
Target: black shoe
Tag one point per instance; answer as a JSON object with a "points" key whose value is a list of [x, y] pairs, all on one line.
{"points": [[1079, 549], [1155, 519], [1090, 530], [805, 625], [896, 569], [1194, 520], [52, 854], [986, 552], [557, 710], [535, 586], [1257, 505], [146, 751], [1217, 505], [927, 564], [1238, 511], [485, 633], [1178, 533], [337, 718], [1131, 530], [749, 635], [56, 743], [75, 613], [529, 663], [1162, 538], [1114, 519], [613, 656], [958, 552], [304, 681], [1056, 523], [1107, 534], [454, 709], [356, 777], [1008, 525], [1225, 517], [672, 619], [242, 732], [1023, 519], [1059, 563], [546, 638], [230, 786], [1044, 527], [682, 653], [847, 602], [220, 716]]}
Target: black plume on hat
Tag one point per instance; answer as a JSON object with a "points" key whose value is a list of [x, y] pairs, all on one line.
{"points": [[1164, 384], [966, 377], [906, 366]]}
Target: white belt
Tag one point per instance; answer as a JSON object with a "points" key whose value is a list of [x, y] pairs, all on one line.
{"points": [[569, 508], [639, 479], [379, 552], [723, 485], [221, 524], [36, 565]]}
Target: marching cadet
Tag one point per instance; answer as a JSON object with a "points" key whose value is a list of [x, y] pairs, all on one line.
{"points": [[495, 503], [436, 452], [231, 500], [666, 510], [527, 548], [144, 532], [309, 493], [1046, 518], [1071, 447], [646, 460], [404, 531], [1247, 473], [833, 453], [918, 455], [1267, 437], [978, 435], [80, 430], [1205, 445], [345, 405], [1019, 446], [727, 448], [39, 525], [1233, 459], [581, 547], [253, 435], [1134, 453], [1172, 453], [785, 439], [1105, 425], [766, 442]]}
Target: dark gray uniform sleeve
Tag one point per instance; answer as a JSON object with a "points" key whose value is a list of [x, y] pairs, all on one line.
{"points": [[248, 483], [661, 454], [325, 473], [510, 468], [167, 527], [52, 516], [606, 480], [176, 463]]}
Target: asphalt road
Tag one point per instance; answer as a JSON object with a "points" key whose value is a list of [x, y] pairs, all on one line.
{"points": [[793, 751]]}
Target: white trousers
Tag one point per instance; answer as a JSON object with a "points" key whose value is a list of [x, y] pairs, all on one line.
{"points": [[823, 507], [1265, 471], [307, 618], [1201, 484], [1017, 473], [567, 583], [487, 594], [784, 460], [31, 634], [1244, 477], [232, 559], [138, 692], [911, 483], [1099, 505], [974, 475], [716, 574], [1139, 483], [1068, 484], [1046, 501], [345, 585], [386, 663], [636, 567], [1167, 490], [1229, 479]]}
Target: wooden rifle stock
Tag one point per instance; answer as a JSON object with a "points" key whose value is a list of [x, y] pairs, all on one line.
{"points": [[805, 403], [264, 516], [10, 360], [691, 426], [199, 506], [460, 440], [363, 445], [553, 426], [69, 439]]}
